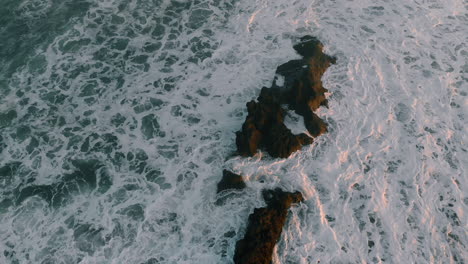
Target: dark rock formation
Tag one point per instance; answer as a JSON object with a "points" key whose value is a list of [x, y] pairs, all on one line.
{"points": [[264, 128], [230, 181], [280, 142], [261, 116], [302, 91], [264, 228], [314, 124]]}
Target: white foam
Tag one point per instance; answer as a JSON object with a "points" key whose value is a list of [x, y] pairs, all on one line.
{"points": [[392, 169]]}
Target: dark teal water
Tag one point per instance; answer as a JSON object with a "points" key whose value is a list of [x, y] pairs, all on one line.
{"points": [[30, 25], [84, 88]]}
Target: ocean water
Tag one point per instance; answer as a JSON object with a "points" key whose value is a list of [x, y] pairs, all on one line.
{"points": [[117, 118]]}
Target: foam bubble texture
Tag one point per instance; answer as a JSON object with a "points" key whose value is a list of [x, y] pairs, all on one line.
{"points": [[116, 125]]}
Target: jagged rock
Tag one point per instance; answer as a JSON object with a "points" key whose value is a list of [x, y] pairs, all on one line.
{"points": [[303, 92], [264, 114], [279, 199], [248, 140], [264, 128], [230, 181], [302, 89], [264, 228], [281, 142], [271, 96], [314, 124], [304, 139], [261, 116]]}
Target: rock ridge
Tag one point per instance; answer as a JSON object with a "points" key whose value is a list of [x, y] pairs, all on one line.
{"points": [[302, 91]]}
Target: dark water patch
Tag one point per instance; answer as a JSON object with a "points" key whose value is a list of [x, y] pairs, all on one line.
{"points": [[375, 10], [2, 144], [135, 212], [154, 175], [8, 171], [451, 215], [192, 119], [202, 48], [392, 166], [12, 175], [198, 17], [24, 29], [88, 238], [186, 178], [157, 177], [106, 143], [168, 151], [150, 127], [402, 112], [147, 104], [90, 175], [359, 198], [368, 29], [6, 118], [154, 260], [9, 175], [10, 255], [137, 160]]}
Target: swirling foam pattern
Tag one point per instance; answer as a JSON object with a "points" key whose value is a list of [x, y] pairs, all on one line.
{"points": [[117, 118]]}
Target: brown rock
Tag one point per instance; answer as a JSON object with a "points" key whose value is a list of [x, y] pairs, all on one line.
{"points": [[303, 82], [248, 139], [230, 181], [302, 90], [281, 142], [264, 228], [314, 124], [264, 128], [261, 116], [304, 139], [272, 96], [264, 114]]}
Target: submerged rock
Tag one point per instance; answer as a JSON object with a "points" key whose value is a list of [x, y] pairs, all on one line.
{"points": [[264, 228], [230, 181]]}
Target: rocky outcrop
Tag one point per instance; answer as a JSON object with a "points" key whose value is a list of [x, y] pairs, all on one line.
{"points": [[301, 90], [264, 228], [264, 128], [230, 181]]}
